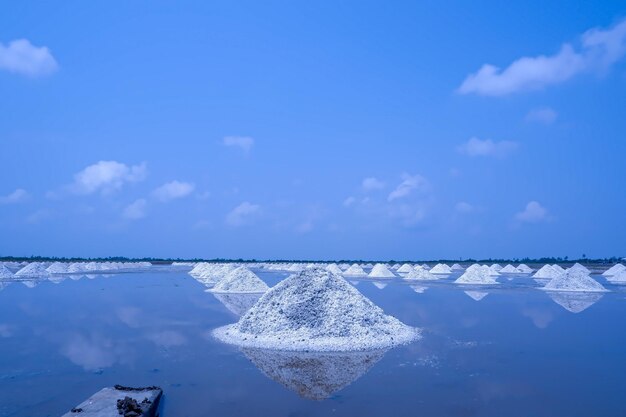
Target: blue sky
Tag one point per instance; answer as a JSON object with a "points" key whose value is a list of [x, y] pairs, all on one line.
{"points": [[320, 130]]}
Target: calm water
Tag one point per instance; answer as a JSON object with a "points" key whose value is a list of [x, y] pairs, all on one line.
{"points": [[507, 351]]}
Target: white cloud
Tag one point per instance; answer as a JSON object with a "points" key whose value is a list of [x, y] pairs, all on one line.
{"points": [[533, 213], [544, 115], [242, 214], [173, 190], [21, 57], [136, 210], [599, 50], [487, 147], [464, 207], [38, 216], [107, 176], [245, 143], [371, 184], [16, 196], [409, 184], [349, 201]]}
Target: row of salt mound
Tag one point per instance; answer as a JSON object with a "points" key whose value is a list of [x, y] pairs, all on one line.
{"points": [[509, 269], [614, 270], [32, 270], [477, 274], [574, 279], [381, 271], [240, 281], [5, 272], [316, 310], [440, 269]]}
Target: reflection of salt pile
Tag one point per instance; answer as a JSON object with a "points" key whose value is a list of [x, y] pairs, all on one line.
{"points": [[334, 269], [405, 268], [240, 280], [547, 272], [574, 280], [354, 271], [476, 274], [420, 274], [58, 268], [5, 272], [614, 270], [618, 278], [457, 267], [313, 375], [380, 271], [575, 301], [509, 269], [418, 288], [379, 285], [35, 269], [316, 310], [238, 304], [477, 295], [524, 269], [440, 269]]}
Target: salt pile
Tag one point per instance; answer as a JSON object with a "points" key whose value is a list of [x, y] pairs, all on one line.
{"points": [[509, 269], [425, 266], [334, 269], [238, 304], [457, 267], [75, 267], [476, 274], [524, 269], [477, 295], [381, 271], [405, 268], [240, 280], [494, 271], [574, 280], [496, 267], [618, 278], [35, 269], [579, 268], [58, 268], [354, 271], [614, 270], [547, 272], [558, 268], [5, 272], [316, 310], [420, 274], [441, 269]]}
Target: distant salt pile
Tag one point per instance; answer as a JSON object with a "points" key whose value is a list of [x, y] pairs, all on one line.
{"points": [[58, 268], [441, 269], [354, 271], [334, 269], [477, 295], [420, 274], [295, 267], [574, 279], [524, 269], [579, 268], [457, 267], [240, 280], [379, 285], [618, 278], [509, 269], [5, 272], [547, 272], [35, 269], [494, 271], [405, 268], [477, 274], [614, 270], [380, 271], [316, 310], [213, 273], [426, 267], [496, 267]]}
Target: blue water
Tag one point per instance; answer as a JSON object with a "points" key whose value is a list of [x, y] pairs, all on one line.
{"points": [[515, 352]]}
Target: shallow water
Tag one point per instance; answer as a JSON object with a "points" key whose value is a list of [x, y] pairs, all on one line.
{"points": [[502, 350]]}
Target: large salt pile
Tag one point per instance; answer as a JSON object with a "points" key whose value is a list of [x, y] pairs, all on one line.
{"points": [[618, 278], [476, 274], [579, 268], [420, 274], [354, 271], [5, 272], [58, 268], [547, 272], [334, 269], [574, 279], [405, 268], [35, 269], [524, 269], [509, 269], [240, 280], [615, 269], [381, 271], [238, 304], [441, 269], [316, 310], [457, 267]]}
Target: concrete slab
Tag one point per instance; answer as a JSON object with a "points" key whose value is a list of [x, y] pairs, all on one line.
{"points": [[120, 401]]}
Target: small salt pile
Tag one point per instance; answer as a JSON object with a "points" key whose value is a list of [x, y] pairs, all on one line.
{"points": [[509, 269], [476, 274], [547, 272], [618, 278], [574, 279], [614, 270], [420, 274], [354, 271], [441, 269], [75, 268], [405, 268], [425, 266], [524, 269], [35, 269], [334, 269], [380, 271], [5, 272], [457, 267], [579, 268], [240, 280], [316, 310], [496, 267], [58, 268]]}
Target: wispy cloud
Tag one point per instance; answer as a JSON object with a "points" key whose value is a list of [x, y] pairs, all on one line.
{"points": [[16, 196], [600, 48], [242, 214], [372, 184], [543, 115], [136, 210], [532, 213], [173, 190], [21, 57], [245, 143], [409, 184], [464, 207], [487, 147], [107, 176]]}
